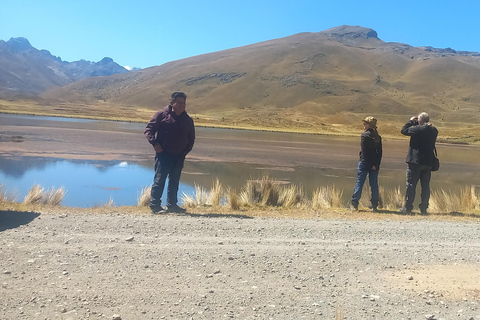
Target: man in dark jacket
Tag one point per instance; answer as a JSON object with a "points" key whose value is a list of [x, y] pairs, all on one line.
{"points": [[171, 132], [370, 158], [419, 159]]}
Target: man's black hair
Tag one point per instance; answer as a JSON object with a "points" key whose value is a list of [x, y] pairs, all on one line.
{"points": [[178, 94]]}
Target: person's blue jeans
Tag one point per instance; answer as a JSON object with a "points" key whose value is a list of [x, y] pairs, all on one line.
{"points": [[417, 172], [363, 171], [166, 165]]}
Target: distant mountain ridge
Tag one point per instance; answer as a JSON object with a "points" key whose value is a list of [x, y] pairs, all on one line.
{"points": [[26, 71], [311, 82]]}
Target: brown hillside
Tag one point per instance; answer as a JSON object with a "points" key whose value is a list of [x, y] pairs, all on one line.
{"points": [[304, 82]]}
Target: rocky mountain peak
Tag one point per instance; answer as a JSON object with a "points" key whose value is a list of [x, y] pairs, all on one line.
{"points": [[350, 32], [19, 44]]}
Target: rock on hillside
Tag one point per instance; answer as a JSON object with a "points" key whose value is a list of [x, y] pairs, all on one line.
{"points": [[26, 71]]}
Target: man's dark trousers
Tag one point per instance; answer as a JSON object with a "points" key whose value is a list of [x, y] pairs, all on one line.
{"points": [[171, 165], [417, 172]]}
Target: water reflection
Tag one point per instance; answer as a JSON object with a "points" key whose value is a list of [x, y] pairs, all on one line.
{"points": [[88, 183], [232, 156]]}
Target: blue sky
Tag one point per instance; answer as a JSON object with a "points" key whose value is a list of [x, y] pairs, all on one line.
{"points": [[145, 33]]}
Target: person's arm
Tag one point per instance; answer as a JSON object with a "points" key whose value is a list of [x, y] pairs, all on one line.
{"points": [[409, 128], [151, 131], [191, 138]]}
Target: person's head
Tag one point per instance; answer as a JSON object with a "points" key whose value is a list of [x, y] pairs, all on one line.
{"points": [[423, 118], [178, 101], [370, 123]]}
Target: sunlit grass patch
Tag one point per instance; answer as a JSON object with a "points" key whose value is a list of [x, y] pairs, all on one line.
{"points": [[466, 201], [34, 195], [54, 197], [327, 197], [216, 194], [38, 195], [393, 199], [143, 199]]}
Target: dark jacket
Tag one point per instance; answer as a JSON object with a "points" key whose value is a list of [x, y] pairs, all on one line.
{"points": [[422, 142], [371, 144], [176, 134]]}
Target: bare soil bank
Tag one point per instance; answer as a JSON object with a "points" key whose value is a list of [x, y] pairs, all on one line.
{"points": [[137, 266]]}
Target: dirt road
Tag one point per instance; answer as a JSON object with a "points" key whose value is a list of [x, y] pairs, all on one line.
{"points": [[124, 266]]}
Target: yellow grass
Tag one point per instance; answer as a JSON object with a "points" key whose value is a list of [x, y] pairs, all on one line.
{"points": [[54, 197], [216, 193], [143, 199], [467, 200], [267, 194], [327, 197], [34, 195]]}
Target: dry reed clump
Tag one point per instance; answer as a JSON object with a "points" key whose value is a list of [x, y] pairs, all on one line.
{"points": [[200, 198], [37, 195], [393, 199], [54, 197], [327, 197], [467, 200], [233, 199], [34, 195], [290, 196], [109, 204], [216, 194], [143, 199]]}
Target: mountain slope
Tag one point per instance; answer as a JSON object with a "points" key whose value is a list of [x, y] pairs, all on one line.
{"points": [[26, 71], [306, 82]]}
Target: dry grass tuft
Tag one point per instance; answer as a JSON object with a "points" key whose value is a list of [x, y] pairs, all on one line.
{"points": [[34, 195], [327, 197], [54, 197], [290, 196], [393, 199], [37, 195], [233, 200], [467, 200], [216, 193], [143, 200]]}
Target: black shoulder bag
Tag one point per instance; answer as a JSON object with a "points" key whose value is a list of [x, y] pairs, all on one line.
{"points": [[436, 162]]}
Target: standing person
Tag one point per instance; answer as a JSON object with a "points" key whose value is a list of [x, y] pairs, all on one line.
{"points": [[419, 159], [171, 132], [370, 158]]}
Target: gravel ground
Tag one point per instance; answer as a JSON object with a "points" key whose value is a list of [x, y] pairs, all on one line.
{"points": [[209, 266]]}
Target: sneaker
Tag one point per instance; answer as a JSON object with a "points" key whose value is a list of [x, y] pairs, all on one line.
{"points": [[176, 209], [158, 210], [374, 209], [423, 211], [354, 207], [405, 210]]}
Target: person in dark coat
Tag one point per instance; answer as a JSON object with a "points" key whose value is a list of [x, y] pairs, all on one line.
{"points": [[171, 132], [419, 159], [369, 164]]}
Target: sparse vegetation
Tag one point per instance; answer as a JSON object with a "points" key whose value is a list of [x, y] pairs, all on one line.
{"points": [[37, 195], [266, 194], [143, 199]]}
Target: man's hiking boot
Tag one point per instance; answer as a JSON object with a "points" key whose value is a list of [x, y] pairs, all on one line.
{"points": [[374, 209], [423, 211], [158, 210], [176, 209], [404, 210]]}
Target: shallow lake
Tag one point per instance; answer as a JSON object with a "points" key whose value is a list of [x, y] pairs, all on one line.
{"points": [[96, 161]]}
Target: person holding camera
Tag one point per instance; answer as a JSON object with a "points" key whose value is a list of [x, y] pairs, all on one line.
{"points": [[423, 136]]}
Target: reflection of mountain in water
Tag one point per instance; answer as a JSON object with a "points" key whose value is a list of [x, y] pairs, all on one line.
{"points": [[16, 167]]}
